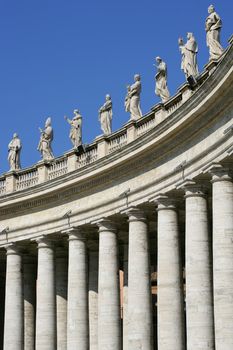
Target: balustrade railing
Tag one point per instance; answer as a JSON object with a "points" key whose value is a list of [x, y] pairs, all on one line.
{"points": [[2, 186], [88, 157], [57, 168], [117, 141], [145, 124], [173, 103], [27, 178]]}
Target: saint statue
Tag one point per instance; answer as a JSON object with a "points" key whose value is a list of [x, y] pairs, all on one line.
{"points": [[213, 27], [189, 56], [161, 88], [105, 116], [127, 99], [46, 138], [14, 149], [134, 96], [75, 129]]}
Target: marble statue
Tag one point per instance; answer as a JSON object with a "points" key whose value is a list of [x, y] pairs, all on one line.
{"points": [[127, 99], [189, 56], [105, 116], [134, 96], [14, 149], [46, 139], [161, 88], [75, 129], [213, 27]]}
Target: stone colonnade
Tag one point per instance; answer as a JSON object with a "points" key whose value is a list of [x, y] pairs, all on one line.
{"points": [[74, 303]]}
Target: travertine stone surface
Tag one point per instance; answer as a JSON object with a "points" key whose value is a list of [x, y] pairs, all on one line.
{"points": [[199, 292], [93, 299], [61, 297], [139, 294], [223, 257], [108, 288], [170, 302], [125, 298], [29, 276], [14, 325], [46, 299], [77, 308]]}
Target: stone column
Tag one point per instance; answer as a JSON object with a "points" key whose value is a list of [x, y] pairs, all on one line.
{"points": [[29, 302], [61, 297], [125, 298], [223, 257], [139, 284], [46, 300], [171, 329], [199, 295], [14, 324], [77, 307], [108, 288], [93, 299]]}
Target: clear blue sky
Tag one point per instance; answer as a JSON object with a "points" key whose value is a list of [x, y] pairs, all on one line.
{"points": [[57, 55]]}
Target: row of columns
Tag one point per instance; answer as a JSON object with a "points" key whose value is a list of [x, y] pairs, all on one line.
{"points": [[209, 300]]}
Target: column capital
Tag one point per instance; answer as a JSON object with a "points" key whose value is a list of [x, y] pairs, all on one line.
{"points": [[164, 202], [106, 225], [219, 172], [192, 188], [74, 233], [43, 242], [12, 249], [135, 214]]}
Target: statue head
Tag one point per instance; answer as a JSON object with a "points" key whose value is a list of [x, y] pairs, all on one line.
{"points": [[189, 35], [158, 59], [211, 9], [108, 97], [76, 111], [137, 77], [15, 135], [48, 122]]}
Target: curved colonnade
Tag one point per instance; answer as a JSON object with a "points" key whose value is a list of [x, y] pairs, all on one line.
{"points": [[151, 206]]}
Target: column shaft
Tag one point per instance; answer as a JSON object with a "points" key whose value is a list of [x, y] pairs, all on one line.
{"points": [[14, 323], [29, 304], [61, 298], [46, 301], [223, 262], [93, 299], [77, 312], [199, 298], [139, 286], [170, 285], [125, 298], [108, 289]]}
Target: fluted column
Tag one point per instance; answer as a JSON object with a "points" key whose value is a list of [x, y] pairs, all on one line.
{"points": [[108, 288], [14, 323], [171, 329], [77, 307], [46, 300], [125, 298], [223, 257], [61, 297], [199, 294], [139, 285], [29, 275], [93, 299]]}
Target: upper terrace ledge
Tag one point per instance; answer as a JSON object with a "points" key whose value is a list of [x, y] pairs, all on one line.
{"points": [[103, 146]]}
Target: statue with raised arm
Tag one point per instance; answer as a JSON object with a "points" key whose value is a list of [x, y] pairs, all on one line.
{"points": [[213, 27], [105, 116], [14, 149], [161, 88], [75, 129], [134, 95], [46, 138], [189, 56]]}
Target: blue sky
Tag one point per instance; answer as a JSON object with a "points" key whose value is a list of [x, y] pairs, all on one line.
{"points": [[58, 55]]}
